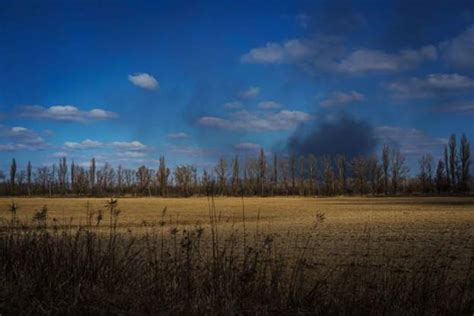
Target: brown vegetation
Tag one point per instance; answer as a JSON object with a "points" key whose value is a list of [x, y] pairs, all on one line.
{"points": [[230, 256]]}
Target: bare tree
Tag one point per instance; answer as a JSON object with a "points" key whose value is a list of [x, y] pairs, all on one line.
{"points": [[184, 177], [13, 173], [163, 175], [292, 166], [144, 180], [341, 173], [360, 171], [453, 164], [446, 166], [221, 172], [312, 167], [81, 180], [207, 182], [375, 174], [275, 173], [302, 175], [28, 176], [399, 170], [92, 171], [251, 175], [62, 174], [284, 170], [235, 176], [441, 179], [385, 166], [73, 177], [262, 171], [105, 178], [120, 179], [426, 173], [328, 175], [465, 157]]}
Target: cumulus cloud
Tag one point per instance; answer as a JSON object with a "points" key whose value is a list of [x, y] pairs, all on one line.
{"points": [[327, 53], [269, 105], [59, 154], [65, 113], [250, 93], [459, 51], [456, 107], [12, 147], [21, 138], [24, 135], [429, 86], [276, 53], [144, 81], [85, 144], [410, 141], [180, 135], [368, 60], [233, 105], [117, 145], [133, 154], [341, 98], [134, 145], [257, 121]]}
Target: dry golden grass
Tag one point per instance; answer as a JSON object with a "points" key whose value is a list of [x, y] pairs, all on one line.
{"points": [[261, 255], [398, 230]]}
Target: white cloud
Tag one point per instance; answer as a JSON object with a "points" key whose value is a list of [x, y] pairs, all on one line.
{"points": [[133, 154], [368, 60], [430, 86], [21, 138], [117, 145], [275, 53], [65, 113], [180, 135], [250, 93], [85, 144], [257, 121], [329, 54], [269, 105], [134, 145], [341, 98], [466, 107], [11, 147], [59, 154], [411, 141], [144, 81], [459, 51], [232, 105], [247, 146]]}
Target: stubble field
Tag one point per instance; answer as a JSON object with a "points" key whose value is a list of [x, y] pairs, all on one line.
{"points": [[253, 255], [395, 230]]}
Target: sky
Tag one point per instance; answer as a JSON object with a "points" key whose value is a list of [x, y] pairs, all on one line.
{"points": [[128, 81]]}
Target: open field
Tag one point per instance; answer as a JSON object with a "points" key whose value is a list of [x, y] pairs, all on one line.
{"points": [[400, 253], [402, 229]]}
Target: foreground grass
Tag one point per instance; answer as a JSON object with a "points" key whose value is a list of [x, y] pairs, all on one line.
{"points": [[238, 265]]}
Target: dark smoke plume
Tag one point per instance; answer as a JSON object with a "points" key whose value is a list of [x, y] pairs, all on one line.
{"points": [[343, 134]]}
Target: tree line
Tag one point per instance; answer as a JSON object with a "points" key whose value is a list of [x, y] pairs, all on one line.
{"points": [[262, 175]]}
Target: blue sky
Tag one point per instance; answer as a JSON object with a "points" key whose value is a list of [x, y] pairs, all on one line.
{"points": [[127, 81]]}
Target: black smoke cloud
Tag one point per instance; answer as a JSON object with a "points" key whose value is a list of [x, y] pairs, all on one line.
{"points": [[332, 135]]}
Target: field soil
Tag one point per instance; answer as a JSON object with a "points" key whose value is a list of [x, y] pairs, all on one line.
{"points": [[393, 233]]}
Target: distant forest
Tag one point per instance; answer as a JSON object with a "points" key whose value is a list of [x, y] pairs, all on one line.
{"points": [[383, 174]]}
